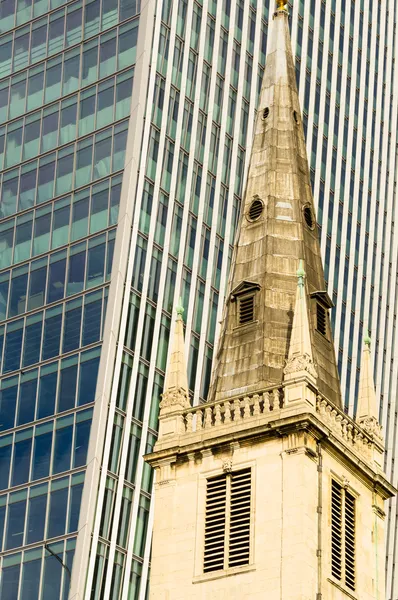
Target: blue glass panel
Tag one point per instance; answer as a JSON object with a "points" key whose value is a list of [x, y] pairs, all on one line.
{"points": [[36, 519], [13, 347], [57, 517], [96, 263], [15, 524], [9, 194], [67, 388], [2, 520], [28, 185], [76, 273], [62, 449], [88, 381], [9, 582], [92, 322], [5, 461], [32, 345], [37, 288], [47, 392], [42, 455], [81, 443], [46, 179], [8, 402], [27, 400], [18, 292], [56, 283], [74, 508], [72, 326], [31, 580], [3, 295], [21, 463], [52, 578], [52, 333]]}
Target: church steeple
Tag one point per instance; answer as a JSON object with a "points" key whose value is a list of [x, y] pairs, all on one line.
{"points": [[277, 228]]}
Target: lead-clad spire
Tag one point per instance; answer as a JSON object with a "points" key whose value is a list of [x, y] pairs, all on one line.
{"points": [[277, 228]]}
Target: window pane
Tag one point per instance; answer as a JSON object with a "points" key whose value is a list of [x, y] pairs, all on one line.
{"points": [[72, 325], [8, 402], [9, 193], [52, 577], [67, 388], [57, 516], [36, 518], [81, 443], [18, 294], [92, 321], [9, 582], [23, 239], [5, 461], [15, 524], [42, 455], [74, 508], [27, 398], [47, 391], [37, 288], [31, 579], [21, 463], [62, 449], [52, 333], [56, 283], [95, 267], [13, 347], [88, 381], [76, 273]]}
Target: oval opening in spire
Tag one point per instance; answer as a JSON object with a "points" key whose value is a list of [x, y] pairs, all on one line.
{"points": [[255, 210]]}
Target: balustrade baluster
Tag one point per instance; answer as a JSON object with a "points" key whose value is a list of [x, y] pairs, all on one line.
{"points": [[217, 418], [246, 404], [256, 405]]}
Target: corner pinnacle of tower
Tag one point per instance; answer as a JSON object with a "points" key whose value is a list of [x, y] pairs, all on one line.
{"points": [[175, 396], [300, 362], [281, 5], [367, 413]]}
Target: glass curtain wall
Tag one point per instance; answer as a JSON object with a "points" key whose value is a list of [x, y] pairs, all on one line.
{"points": [[66, 73]]}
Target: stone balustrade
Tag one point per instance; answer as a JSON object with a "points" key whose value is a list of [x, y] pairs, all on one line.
{"points": [[344, 427], [236, 410]]}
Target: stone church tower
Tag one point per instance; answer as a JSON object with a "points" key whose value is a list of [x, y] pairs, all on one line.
{"points": [[269, 490]]}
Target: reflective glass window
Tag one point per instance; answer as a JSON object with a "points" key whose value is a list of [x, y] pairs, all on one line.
{"points": [[23, 237], [46, 176], [13, 346], [32, 342], [72, 325], [87, 111], [8, 402], [30, 579], [37, 284], [56, 32], [52, 332], [4, 283], [49, 136], [92, 318], [28, 185], [107, 63], [82, 436], [75, 499], [60, 227], [52, 573], [38, 42], [5, 460], [22, 454], [16, 520], [64, 179], [53, 79], [27, 397], [67, 131], [90, 62], [10, 577], [77, 263], [88, 376], [6, 243], [96, 261], [71, 71], [58, 506], [19, 282], [63, 444], [67, 385], [35, 88], [56, 277], [36, 513], [83, 162], [42, 450], [31, 137], [47, 390]]}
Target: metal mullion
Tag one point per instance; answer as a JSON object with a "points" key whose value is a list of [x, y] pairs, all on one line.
{"points": [[356, 217], [339, 342], [231, 188], [161, 289], [119, 349], [224, 277], [390, 113], [126, 432]]}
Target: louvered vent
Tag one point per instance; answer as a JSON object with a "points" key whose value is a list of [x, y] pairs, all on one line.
{"points": [[239, 529], [246, 310], [309, 217], [216, 497], [337, 506], [255, 210], [349, 540], [321, 319]]}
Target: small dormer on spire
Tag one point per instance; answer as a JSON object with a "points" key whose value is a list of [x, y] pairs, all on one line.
{"points": [[176, 396], [300, 361], [367, 413]]}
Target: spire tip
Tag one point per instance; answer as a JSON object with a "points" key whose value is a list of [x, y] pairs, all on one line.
{"points": [[179, 308]]}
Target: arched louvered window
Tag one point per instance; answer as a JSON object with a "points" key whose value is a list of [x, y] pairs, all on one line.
{"points": [[343, 535], [227, 521]]}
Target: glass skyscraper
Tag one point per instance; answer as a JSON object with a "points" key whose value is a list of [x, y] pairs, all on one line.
{"points": [[124, 132]]}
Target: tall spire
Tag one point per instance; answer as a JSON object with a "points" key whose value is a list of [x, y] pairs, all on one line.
{"points": [[277, 227], [367, 413], [175, 395]]}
